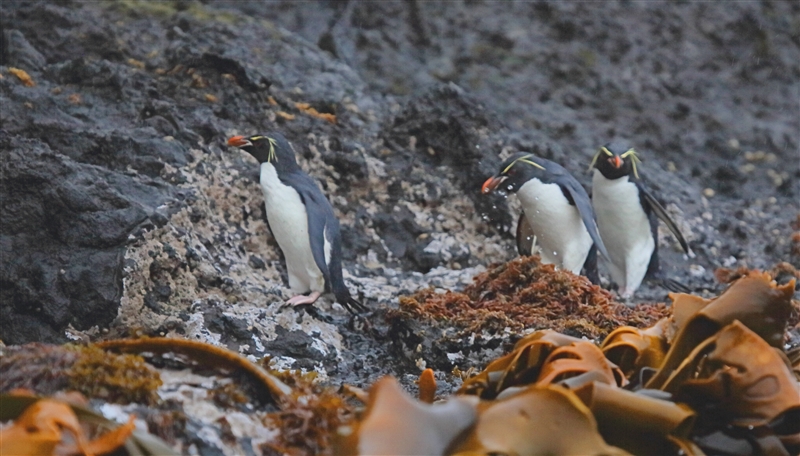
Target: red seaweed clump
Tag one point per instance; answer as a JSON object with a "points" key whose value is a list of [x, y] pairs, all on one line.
{"points": [[524, 293], [308, 417]]}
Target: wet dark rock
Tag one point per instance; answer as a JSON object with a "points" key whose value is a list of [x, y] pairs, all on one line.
{"points": [[351, 166], [296, 344], [256, 262], [228, 326], [18, 52], [64, 228], [152, 302], [729, 180], [451, 128], [401, 235], [354, 243]]}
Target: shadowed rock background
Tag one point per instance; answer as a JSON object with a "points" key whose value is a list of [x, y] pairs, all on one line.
{"points": [[124, 213]]}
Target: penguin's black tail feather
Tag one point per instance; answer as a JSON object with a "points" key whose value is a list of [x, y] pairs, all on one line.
{"points": [[336, 283], [344, 297], [351, 304], [674, 286]]}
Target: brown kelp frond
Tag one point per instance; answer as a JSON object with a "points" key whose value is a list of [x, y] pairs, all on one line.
{"points": [[53, 426], [207, 354]]}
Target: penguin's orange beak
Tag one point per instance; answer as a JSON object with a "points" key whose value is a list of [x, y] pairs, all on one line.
{"points": [[617, 162], [492, 183], [238, 141]]}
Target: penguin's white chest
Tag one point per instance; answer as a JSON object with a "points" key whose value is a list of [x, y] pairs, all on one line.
{"points": [[558, 226], [625, 229], [288, 220]]}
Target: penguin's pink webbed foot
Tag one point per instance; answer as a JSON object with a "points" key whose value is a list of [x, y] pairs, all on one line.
{"points": [[299, 300]]}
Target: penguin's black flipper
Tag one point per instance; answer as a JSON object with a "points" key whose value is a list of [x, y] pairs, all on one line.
{"points": [[659, 210], [525, 236], [319, 214], [590, 266], [653, 268], [654, 273], [581, 200]]}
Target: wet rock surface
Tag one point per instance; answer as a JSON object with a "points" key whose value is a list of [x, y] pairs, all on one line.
{"points": [[123, 212]]}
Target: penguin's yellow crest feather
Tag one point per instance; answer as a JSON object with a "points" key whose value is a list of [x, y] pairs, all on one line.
{"points": [[523, 159]]}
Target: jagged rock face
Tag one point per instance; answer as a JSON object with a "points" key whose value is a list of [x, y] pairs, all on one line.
{"points": [[123, 210], [117, 187]]}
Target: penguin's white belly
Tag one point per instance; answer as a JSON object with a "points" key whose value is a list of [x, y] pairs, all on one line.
{"points": [[625, 230], [288, 220], [558, 226]]}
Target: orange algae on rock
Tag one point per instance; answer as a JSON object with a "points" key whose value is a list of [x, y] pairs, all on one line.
{"points": [[520, 367], [524, 293], [577, 359], [543, 358], [23, 76], [427, 386], [311, 111], [38, 430]]}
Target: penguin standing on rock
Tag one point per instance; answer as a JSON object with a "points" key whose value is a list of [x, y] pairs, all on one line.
{"points": [[556, 209], [302, 221], [627, 216]]}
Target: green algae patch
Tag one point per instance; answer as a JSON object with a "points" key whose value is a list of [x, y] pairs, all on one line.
{"points": [[116, 378], [48, 369], [167, 9]]}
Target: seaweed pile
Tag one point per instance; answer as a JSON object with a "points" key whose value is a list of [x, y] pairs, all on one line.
{"points": [[458, 330], [710, 376], [525, 293]]}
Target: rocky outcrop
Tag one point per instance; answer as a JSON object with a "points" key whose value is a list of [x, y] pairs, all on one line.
{"points": [[122, 209], [123, 213]]}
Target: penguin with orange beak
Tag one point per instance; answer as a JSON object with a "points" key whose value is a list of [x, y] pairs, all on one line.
{"points": [[627, 217], [302, 221], [556, 210]]}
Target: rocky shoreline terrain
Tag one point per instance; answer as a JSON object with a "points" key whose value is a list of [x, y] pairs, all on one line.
{"points": [[124, 214]]}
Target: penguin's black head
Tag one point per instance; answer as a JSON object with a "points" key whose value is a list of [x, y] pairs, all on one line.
{"points": [[270, 148], [515, 171], [615, 160]]}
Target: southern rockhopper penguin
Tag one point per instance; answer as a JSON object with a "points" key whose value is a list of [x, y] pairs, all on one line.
{"points": [[556, 209], [302, 221], [627, 216]]}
